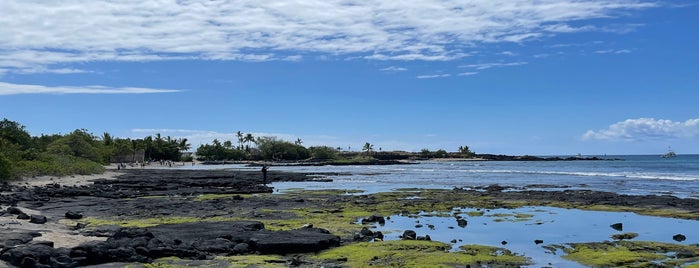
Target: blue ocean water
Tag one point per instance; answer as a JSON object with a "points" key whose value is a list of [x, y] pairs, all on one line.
{"points": [[635, 174]]}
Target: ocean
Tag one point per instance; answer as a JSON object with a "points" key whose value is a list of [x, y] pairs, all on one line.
{"points": [[623, 174]]}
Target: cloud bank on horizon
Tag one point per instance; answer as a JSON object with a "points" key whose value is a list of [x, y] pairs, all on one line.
{"points": [[646, 129], [41, 36]]}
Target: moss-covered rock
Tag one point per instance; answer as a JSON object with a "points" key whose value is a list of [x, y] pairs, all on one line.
{"points": [[413, 253]]}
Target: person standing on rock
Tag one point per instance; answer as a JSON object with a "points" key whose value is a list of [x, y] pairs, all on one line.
{"points": [[264, 174]]}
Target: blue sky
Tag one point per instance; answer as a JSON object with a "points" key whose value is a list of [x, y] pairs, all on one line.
{"points": [[510, 76]]}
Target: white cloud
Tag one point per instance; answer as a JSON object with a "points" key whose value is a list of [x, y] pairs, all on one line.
{"points": [[468, 73], [483, 66], [35, 34], [394, 69], [613, 51], [16, 89], [430, 76], [646, 129]]}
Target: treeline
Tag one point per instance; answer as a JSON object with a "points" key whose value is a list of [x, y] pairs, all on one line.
{"points": [[81, 152], [262, 148], [78, 152]]}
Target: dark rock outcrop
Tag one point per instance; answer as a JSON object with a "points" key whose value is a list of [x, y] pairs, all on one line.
{"points": [[37, 219], [409, 235], [617, 226], [679, 237], [73, 215]]}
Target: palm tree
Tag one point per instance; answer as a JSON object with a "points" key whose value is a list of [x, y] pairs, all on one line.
{"points": [[368, 148], [240, 139], [184, 146], [249, 138], [298, 142]]}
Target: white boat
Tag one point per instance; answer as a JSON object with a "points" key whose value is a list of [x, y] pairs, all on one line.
{"points": [[669, 154]]}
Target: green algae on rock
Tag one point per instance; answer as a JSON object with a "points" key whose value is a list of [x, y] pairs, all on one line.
{"points": [[632, 254], [413, 253]]}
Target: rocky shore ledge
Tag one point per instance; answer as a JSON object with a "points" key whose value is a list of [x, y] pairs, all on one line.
{"points": [[147, 214]]}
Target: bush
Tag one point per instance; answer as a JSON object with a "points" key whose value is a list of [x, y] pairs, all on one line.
{"points": [[5, 168]]}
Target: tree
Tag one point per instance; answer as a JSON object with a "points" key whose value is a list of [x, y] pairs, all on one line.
{"points": [[298, 141], [368, 148], [323, 152], [249, 138], [15, 133], [464, 150], [240, 139]]}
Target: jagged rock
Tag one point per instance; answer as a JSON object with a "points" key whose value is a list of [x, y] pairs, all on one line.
{"points": [[679, 237], [617, 226], [374, 218], [241, 248], [623, 236], [23, 216], [14, 210], [378, 235], [366, 232], [12, 238], [38, 219], [73, 215], [538, 241], [38, 255], [462, 222], [425, 238], [409, 235]]}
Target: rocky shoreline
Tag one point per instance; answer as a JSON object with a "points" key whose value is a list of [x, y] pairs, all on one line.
{"points": [[146, 214]]}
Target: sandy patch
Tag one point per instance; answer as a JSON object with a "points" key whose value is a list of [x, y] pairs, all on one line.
{"points": [[56, 231], [72, 180]]}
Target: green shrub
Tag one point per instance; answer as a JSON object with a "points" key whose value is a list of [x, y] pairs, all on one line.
{"points": [[5, 168]]}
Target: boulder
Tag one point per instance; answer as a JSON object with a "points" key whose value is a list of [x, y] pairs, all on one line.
{"points": [[37, 219], [617, 226], [374, 219], [679, 237], [14, 210], [409, 235], [462, 222], [73, 215]]}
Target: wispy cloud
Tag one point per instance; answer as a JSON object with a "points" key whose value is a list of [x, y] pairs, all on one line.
{"points": [[16, 89], [467, 73], [394, 69], [645, 129], [613, 51], [430, 76], [43, 33], [483, 66]]}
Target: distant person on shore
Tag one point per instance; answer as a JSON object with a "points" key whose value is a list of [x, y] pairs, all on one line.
{"points": [[264, 174]]}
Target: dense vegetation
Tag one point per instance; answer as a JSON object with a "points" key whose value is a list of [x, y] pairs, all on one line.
{"points": [[78, 152], [81, 152]]}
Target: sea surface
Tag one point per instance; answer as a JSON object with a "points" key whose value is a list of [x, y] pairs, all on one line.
{"points": [[624, 174]]}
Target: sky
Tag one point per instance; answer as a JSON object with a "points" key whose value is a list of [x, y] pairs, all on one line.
{"points": [[537, 77]]}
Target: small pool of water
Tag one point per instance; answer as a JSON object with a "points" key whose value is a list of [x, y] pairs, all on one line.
{"points": [[520, 227]]}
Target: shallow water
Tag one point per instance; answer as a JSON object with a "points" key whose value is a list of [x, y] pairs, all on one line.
{"points": [[521, 226]]}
